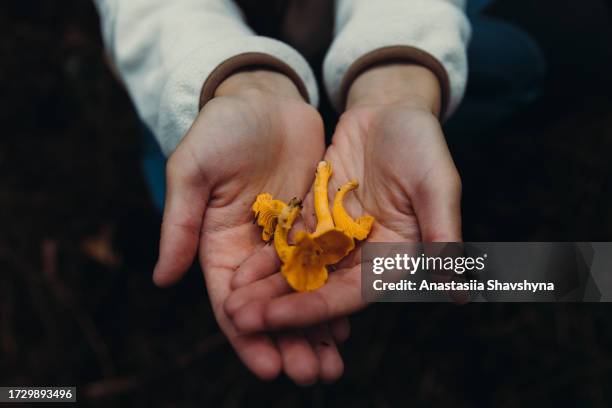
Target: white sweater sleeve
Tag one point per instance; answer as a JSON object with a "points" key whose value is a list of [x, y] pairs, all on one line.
{"points": [[171, 55], [434, 33]]}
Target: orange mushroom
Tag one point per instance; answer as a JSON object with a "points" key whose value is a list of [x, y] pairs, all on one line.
{"points": [[359, 228], [304, 264], [266, 211]]}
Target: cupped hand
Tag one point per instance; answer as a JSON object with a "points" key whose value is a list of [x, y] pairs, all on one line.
{"points": [[257, 135], [408, 182]]}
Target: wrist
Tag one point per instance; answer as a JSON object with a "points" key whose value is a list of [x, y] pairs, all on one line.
{"points": [[262, 80], [406, 84]]}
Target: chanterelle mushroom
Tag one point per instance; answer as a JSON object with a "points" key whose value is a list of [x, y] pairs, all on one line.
{"points": [[359, 228], [305, 263], [266, 211], [283, 225]]}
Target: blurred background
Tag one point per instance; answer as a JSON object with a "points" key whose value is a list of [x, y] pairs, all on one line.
{"points": [[79, 233]]}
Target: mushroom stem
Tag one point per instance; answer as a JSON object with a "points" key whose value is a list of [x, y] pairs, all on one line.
{"points": [[321, 199], [359, 228], [285, 221]]}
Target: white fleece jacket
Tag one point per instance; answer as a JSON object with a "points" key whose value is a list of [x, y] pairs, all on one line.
{"points": [[171, 54]]}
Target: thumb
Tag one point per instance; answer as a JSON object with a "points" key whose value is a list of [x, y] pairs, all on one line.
{"points": [[438, 206], [438, 209], [186, 199]]}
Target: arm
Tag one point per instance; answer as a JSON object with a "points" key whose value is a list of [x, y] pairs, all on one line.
{"points": [[172, 55]]}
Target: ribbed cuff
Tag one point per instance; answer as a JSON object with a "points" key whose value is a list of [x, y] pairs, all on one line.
{"points": [[396, 54], [252, 60]]}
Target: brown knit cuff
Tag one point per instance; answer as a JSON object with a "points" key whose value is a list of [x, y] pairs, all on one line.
{"points": [[250, 60], [398, 54]]}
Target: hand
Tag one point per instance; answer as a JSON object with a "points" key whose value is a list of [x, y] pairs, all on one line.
{"points": [[257, 135], [390, 140]]}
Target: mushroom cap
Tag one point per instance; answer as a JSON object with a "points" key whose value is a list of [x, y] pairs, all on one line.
{"points": [[335, 244], [266, 211], [306, 264]]}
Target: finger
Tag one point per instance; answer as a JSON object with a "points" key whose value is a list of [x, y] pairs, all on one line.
{"points": [[254, 297], [250, 317], [438, 209], [340, 329], [247, 306], [308, 212], [259, 291], [438, 206], [261, 264], [330, 361], [300, 361], [186, 199], [440, 274], [339, 297], [257, 351]]}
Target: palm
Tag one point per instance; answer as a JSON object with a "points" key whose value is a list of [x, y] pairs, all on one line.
{"points": [[408, 182], [371, 148], [274, 159], [249, 151]]}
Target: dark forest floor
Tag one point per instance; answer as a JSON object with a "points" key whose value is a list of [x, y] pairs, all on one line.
{"points": [[78, 240]]}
